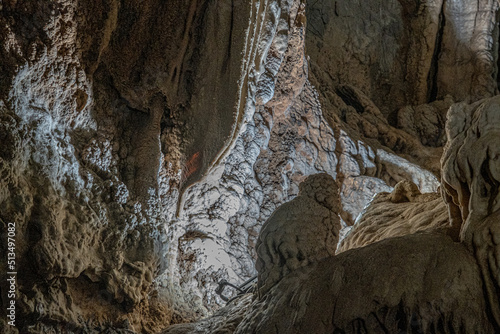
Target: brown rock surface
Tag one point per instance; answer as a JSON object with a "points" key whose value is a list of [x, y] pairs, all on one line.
{"points": [[422, 283], [300, 232], [471, 180], [144, 145], [108, 110], [286, 139], [403, 52], [404, 211]]}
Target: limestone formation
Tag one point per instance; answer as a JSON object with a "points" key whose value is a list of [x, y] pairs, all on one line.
{"points": [[471, 180], [422, 283], [300, 232], [404, 211], [404, 52], [287, 139], [374, 71], [426, 121], [436, 299], [143, 146], [109, 110]]}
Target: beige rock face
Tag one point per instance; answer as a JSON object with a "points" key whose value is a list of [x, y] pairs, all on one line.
{"points": [[144, 145], [389, 66], [79, 228], [107, 111], [403, 52], [467, 53], [369, 85], [382, 287], [175, 68], [287, 139], [362, 116], [300, 232], [416, 280], [404, 211], [470, 185]]}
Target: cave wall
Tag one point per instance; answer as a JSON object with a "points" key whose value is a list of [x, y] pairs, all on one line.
{"points": [[405, 52], [144, 145], [104, 123], [403, 267]]}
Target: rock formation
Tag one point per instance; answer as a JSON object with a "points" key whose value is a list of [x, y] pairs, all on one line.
{"points": [[427, 287], [470, 186], [144, 148], [402, 212], [97, 145], [300, 232], [379, 292]]}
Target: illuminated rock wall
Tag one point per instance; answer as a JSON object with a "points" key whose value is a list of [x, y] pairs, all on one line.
{"points": [[144, 146]]}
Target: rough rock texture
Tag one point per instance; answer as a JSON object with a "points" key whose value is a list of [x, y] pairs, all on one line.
{"points": [[288, 138], [402, 212], [404, 52], [224, 321], [300, 232], [174, 67], [108, 111], [389, 66], [425, 121], [79, 228], [364, 171], [428, 287], [220, 216], [385, 122], [471, 180], [144, 145]]}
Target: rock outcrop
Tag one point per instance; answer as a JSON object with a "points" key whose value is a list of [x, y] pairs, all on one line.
{"points": [[300, 232], [367, 294], [144, 147], [109, 110], [404, 52], [471, 180], [422, 283], [404, 211], [406, 275]]}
